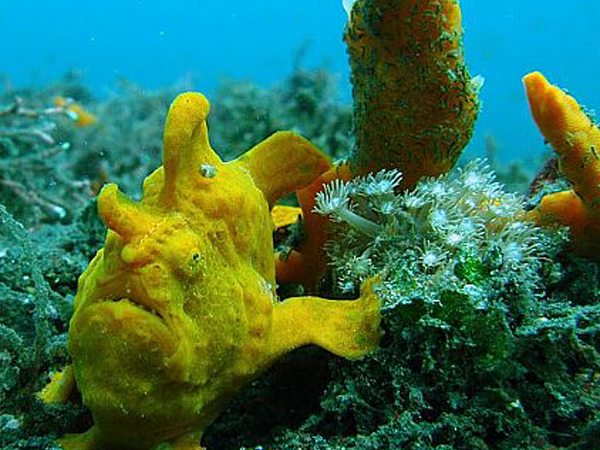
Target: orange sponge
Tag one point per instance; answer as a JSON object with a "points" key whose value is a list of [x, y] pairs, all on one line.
{"points": [[576, 140]]}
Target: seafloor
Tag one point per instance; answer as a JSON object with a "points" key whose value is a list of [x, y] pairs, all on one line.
{"points": [[514, 367]]}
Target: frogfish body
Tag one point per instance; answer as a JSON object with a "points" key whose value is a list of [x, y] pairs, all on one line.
{"points": [[178, 311]]}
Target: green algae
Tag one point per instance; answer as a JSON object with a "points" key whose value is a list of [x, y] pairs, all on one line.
{"points": [[33, 324]]}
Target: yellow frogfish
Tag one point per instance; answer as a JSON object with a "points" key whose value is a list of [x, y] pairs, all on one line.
{"points": [[178, 311]]}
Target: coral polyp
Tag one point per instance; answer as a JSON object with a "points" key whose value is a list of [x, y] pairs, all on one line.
{"points": [[430, 239]]}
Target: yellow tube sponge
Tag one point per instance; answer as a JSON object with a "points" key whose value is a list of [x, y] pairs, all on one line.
{"points": [[576, 140], [415, 103]]}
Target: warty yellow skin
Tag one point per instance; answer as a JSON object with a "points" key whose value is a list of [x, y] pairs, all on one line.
{"points": [[178, 310]]}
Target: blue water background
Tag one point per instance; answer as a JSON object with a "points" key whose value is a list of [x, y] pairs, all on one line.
{"points": [[157, 43]]}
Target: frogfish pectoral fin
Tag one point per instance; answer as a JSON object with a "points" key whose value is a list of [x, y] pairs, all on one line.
{"points": [[283, 163]]}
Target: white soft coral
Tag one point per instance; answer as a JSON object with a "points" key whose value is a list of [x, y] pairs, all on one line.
{"points": [[348, 4]]}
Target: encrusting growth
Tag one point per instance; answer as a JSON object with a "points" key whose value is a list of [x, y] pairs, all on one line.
{"points": [[576, 140]]}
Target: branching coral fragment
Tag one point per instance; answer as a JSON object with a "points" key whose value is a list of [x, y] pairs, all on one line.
{"points": [[16, 110], [27, 146]]}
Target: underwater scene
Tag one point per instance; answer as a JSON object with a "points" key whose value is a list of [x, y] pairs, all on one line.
{"points": [[342, 224]]}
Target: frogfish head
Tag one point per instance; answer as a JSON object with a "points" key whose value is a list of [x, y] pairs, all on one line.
{"points": [[135, 301]]}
